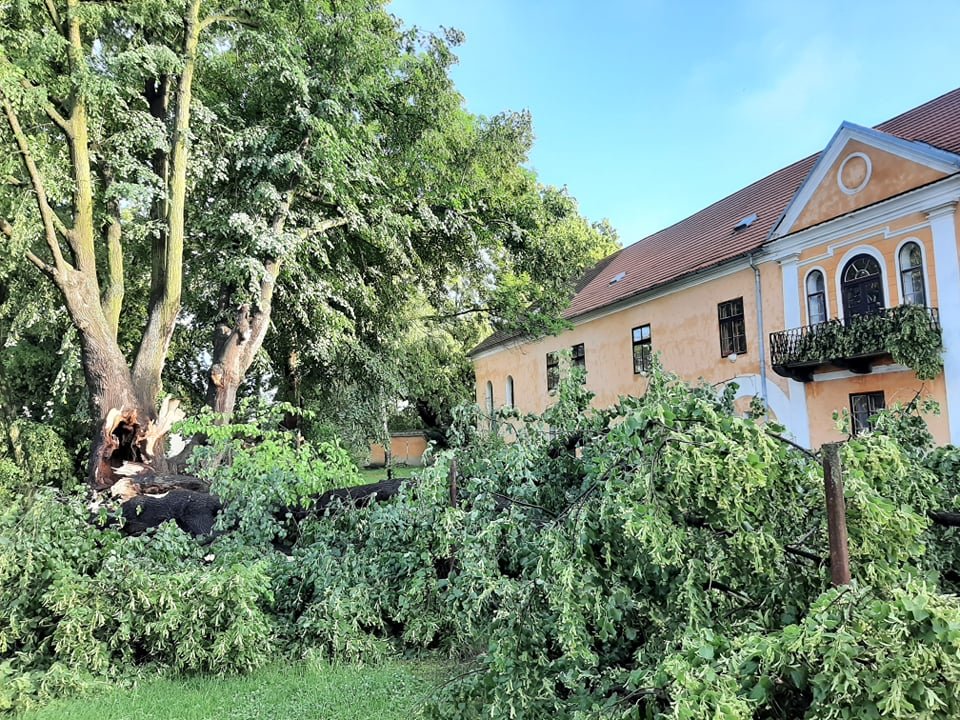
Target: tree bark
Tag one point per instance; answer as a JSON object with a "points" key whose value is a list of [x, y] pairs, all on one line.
{"points": [[123, 396], [234, 348], [166, 280]]}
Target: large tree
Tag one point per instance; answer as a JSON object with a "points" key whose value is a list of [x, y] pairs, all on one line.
{"points": [[311, 156], [98, 100]]}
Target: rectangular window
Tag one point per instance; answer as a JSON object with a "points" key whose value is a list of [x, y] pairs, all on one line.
{"points": [[733, 329], [553, 371], [642, 349], [864, 406], [579, 356], [817, 308]]}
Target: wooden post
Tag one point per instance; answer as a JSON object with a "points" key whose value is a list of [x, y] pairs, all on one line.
{"points": [[836, 515], [454, 500]]}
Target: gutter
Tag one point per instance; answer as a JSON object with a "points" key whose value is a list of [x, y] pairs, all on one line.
{"points": [[761, 337]]}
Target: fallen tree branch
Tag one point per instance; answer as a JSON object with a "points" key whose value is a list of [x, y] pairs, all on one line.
{"points": [[519, 503], [944, 518], [724, 588], [801, 448], [800, 552], [193, 512], [356, 496]]}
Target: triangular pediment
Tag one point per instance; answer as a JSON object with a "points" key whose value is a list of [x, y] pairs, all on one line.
{"points": [[859, 167]]}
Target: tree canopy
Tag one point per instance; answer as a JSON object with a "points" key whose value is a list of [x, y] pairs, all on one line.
{"points": [[287, 194]]}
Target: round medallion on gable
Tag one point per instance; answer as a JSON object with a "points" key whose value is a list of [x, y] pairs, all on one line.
{"points": [[854, 173]]}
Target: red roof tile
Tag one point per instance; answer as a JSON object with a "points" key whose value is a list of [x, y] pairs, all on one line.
{"points": [[707, 237]]}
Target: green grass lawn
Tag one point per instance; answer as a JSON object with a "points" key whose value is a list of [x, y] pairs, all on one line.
{"points": [[372, 475], [302, 691]]}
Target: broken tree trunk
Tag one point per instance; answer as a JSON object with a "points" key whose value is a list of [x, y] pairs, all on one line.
{"points": [[131, 443], [356, 496]]}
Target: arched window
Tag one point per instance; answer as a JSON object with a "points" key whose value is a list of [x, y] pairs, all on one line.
{"points": [[816, 298], [862, 286], [509, 390], [489, 398], [911, 274]]}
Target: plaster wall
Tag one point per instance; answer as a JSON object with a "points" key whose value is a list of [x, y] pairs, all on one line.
{"points": [[685, 329], [685, 332], [884, 242], [407, 449], [824, 397], [890, 175]]}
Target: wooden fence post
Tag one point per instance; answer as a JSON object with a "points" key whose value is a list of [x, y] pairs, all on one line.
{"points": [[454, 494], [836, 515]]}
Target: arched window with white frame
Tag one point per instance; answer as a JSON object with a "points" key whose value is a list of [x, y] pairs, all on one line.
{"points": [[911, 274], [816, 298], [861, 286], [489, 400], [510, 391]]}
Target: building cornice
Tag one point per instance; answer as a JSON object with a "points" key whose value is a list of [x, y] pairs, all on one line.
{"points": [[921, 153], [925, 199]]}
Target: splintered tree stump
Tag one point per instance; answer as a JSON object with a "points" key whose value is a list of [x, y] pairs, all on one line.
{"points": [[129, 443]]}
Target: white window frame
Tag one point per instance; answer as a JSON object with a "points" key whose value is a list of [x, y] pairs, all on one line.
{"points": [[826, 292], [923, 265]]}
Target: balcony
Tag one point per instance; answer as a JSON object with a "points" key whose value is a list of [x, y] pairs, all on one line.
{"points": [[853, 344]]}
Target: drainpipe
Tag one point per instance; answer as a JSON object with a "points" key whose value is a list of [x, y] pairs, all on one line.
{"points": [[760, 334]]}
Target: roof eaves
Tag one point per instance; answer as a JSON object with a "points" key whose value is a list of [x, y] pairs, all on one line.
{"points": [[626, 299]]}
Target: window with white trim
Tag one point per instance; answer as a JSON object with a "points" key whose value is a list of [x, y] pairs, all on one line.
{"points": [[911, 274], [509, 391], [816, 298]]}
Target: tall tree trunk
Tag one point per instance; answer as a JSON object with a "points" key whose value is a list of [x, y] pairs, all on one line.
{"points": [[234, 347], [124, 426], [166, 280], [123, 401]]}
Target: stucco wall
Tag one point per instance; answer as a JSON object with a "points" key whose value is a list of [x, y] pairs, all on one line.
{"points": [[407, 449], [883, 241], [890, 175], [824, 397], [684, 329]]}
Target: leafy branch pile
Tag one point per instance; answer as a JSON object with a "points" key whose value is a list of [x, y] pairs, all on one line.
{"points": [[662, 558]]}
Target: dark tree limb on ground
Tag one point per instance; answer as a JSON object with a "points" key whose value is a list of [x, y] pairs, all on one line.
{"points": [[944, 518], [193, 512], [356, 496]]}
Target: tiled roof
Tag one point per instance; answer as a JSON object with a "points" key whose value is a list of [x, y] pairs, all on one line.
{"points": [[707, 238]]}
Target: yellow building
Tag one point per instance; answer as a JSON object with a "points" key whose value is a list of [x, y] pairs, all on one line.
{"points": [[745, 289]]}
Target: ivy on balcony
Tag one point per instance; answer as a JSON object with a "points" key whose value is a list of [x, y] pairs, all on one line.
{"points": [[910, 334]]}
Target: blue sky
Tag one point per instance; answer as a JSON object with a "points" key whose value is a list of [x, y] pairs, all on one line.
{"points": [[648, 110]]}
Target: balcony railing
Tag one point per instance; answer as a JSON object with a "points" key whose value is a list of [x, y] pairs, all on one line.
{"points": [[853, 343]]}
